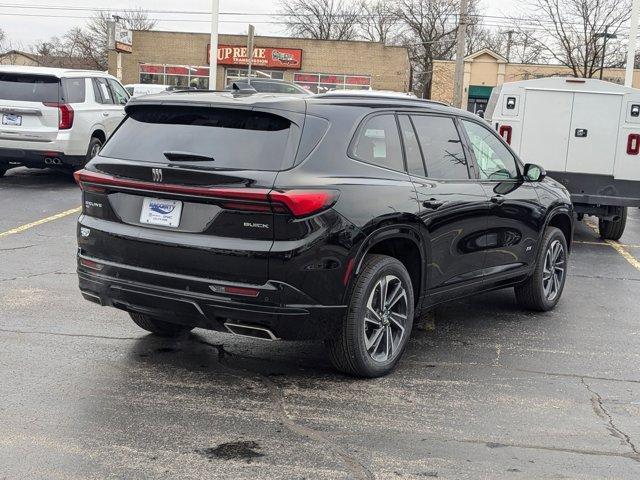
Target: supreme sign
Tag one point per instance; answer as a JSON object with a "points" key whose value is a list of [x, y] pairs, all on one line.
{"points": [[267, 57]]}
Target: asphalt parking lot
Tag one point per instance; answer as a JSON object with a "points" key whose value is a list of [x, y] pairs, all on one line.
{"points": [[492, 392]]}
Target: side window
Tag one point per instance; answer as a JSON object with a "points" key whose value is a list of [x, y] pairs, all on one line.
{"points": [[120, 94], [378, 142], [102, 92], [441, 147], [73, 90], [495, 162], [415, 165]]}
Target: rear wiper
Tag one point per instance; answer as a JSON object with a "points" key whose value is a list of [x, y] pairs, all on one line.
{"points": [[187, 157]]}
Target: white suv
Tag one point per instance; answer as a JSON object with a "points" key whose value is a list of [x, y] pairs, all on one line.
{"points": [[52, 117]]}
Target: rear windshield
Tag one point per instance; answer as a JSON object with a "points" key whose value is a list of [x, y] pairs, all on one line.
{"points": [[28, 88], [233, 139]]}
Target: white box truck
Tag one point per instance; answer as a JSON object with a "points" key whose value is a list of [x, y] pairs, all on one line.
{"points": [[585, 133]]}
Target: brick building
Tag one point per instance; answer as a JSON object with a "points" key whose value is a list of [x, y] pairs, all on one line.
{"points": [[177, 58], [486, 69]]}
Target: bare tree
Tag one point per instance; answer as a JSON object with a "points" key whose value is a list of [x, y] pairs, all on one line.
{"points": [[569, 32], [3, 41], [94, 35], [430, 33], [322, 19], [379, 21]]}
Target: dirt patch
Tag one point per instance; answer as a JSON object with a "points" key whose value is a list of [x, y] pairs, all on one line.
{"points": [[233, 451]]}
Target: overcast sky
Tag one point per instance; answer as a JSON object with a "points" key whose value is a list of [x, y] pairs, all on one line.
{"points": [[24, 26]]}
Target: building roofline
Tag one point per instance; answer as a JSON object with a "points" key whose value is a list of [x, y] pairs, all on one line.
{"points": [[275, 37], [31, 56]]}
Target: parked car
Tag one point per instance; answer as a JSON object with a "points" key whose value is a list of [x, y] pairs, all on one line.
{"points": [[264, 85], [137, 89], [53, 117], [585, 133], [337, 217]]}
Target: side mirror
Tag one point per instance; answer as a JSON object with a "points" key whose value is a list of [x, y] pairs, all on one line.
{"points": [[534, 173]]}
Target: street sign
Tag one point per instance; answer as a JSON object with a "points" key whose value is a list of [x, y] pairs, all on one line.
{"points": [[120, 38]]}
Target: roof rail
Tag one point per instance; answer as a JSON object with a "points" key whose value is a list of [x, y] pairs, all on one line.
{"points": [[378, 95]]}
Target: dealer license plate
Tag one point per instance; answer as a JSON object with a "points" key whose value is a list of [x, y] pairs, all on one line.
{"points": [[11, 119], [157, 211]]}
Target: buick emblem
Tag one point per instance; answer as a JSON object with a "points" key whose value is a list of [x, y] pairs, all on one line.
{"points": [[156, 174]]}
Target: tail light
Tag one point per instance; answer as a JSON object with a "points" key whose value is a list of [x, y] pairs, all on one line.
{"points": [[65, 114], [505, 132], [300, 203], [633, 144]]}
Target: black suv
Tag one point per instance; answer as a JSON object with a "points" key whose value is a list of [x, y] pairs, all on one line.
{"points": [[336, 217]]}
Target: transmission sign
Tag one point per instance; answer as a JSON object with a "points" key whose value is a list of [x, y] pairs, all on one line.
{"points": [[120, 38]]}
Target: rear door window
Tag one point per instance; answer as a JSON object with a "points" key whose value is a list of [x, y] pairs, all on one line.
{"points": [[378, 142], [29, 88], [441, 147], [216, 138], [73, 90], [102, 91]]}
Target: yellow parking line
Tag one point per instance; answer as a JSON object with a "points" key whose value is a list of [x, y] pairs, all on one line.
{"points": [[27, 226], [618, 247], [622, 251]]}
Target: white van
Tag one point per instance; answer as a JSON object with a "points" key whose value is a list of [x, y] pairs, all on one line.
{"points": [[53, 117], [137, 89], [585, 133]]}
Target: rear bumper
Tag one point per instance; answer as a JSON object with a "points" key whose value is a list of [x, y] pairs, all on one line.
{"points": [[14, 157], [278, 307], [591, 189]]}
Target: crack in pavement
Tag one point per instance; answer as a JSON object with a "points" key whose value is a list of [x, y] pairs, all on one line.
{"points": [[33, 275], [16, 248], [601, 277], [513, 369], [60, 334], [359, 471], [599, 453], [601, 412]]}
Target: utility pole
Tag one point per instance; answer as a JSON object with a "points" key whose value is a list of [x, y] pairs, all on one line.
{"points": [[213, 48], [509, 34], [116, 19], [461, 40], [605, 36], [631, 52]]}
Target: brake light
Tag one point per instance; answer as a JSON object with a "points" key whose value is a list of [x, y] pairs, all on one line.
{"points": [[300, 203], [304, 202], [505, 132], [65, 114]]}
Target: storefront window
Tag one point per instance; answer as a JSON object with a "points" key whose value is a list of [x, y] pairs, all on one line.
{"points": [[176, 75], [326, 82], [233, 74]]}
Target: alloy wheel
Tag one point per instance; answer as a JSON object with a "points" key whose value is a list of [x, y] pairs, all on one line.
{"points": [[554, 270], [385, 319], [95, 149]]}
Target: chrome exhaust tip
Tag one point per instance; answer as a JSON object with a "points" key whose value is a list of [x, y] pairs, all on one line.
{"points": [[56, 161], [48, 161], [252, 331]]}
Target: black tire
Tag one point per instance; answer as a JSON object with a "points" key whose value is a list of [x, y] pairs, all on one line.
{"points": [[348, 351], [158, 327], [531, 294], [2, 171], [95, 144], [613, 230]]}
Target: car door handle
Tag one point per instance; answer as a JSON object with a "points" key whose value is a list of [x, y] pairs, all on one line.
{"points": [[105, 114], [497, 199], [432, 203]]}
